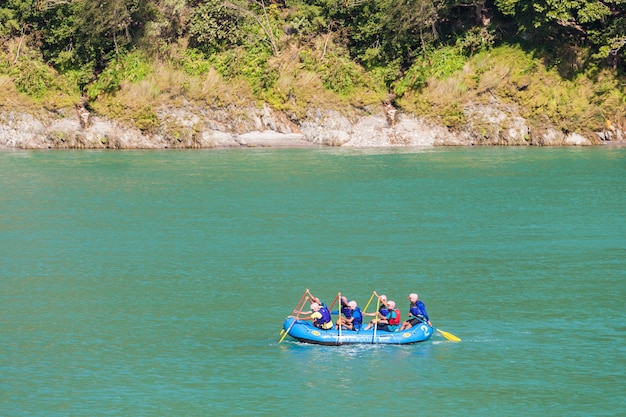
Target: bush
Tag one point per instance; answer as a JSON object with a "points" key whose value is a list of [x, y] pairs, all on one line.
{"points": [[438, 64], [146, 118], [33, 77], [194, 62], [131, 67]]}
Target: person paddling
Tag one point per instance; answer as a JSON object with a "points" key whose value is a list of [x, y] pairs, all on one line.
{"points": [[353, 320], [319, 315], [345, 310], [417, 313], [393, 318], [382, 313]]}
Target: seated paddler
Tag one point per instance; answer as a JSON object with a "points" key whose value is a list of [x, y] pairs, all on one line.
{"points": [[353, 319], [393, 318], [345, 313], [417, 313], [381, 314], [320, 315]]}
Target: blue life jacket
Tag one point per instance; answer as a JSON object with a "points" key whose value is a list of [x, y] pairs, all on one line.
{"points": [[419, 309], [358, 318], [325, 315], [383, 310], [346, 311]]}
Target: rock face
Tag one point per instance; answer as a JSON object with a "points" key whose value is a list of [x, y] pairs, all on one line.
{"points": [[190, 126], [331, 129]]}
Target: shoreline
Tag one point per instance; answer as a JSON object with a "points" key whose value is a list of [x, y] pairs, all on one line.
{"points": [[196, 128], [301, 144]]}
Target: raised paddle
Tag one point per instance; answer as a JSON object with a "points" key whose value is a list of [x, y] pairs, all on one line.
{"points": [[299, 306], [295, 309], [368, 303], [295, 319], [376, 318], [339, 321]]}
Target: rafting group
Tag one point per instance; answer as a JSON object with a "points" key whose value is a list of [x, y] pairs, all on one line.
{"points": [[386, 326]]}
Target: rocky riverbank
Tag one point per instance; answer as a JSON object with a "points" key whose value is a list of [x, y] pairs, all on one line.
{"points": [[190, 126]]}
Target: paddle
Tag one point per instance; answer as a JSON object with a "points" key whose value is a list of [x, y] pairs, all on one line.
{"points": [[368, 303], [287, 332], [376, 318], [296, 309], [339, 317], [296, 312], [448, 336]]}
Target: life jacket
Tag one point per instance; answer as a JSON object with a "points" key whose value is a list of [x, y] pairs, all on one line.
{"points": [[325, 315], [358, 318], [418, 310], [346, 311], [394, 321]]}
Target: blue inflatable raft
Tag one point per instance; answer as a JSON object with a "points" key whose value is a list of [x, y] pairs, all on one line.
{"points": [[305, 332]]}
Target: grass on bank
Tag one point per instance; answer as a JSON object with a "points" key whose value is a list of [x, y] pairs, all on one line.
{"points": [[27, 83], [297, 80], [439, 85], [520, 80]]}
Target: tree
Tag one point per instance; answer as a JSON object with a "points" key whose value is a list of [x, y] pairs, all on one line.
{"points": [[75, 33], [385, 32], [214, 25], [598, 25], [106, 27], [258, 10]]}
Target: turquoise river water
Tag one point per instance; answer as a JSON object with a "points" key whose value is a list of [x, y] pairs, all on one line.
{"points": [[155, 283]]}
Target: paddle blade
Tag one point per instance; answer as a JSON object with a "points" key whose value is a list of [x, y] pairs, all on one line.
{"points": [[283, 337], [449, 336], [286, 332]]}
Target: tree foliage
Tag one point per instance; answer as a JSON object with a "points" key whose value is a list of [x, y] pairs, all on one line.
{"points": [[214, 26], [597, 25], [388, 36]]}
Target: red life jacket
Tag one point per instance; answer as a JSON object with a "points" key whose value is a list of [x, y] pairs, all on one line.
{"points": [[395, 320]]}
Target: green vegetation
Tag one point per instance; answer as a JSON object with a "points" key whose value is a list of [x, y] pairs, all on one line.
{"points": [[557, 61]]}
